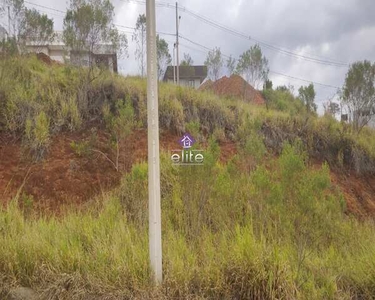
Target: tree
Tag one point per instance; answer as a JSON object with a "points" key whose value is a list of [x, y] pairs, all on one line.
{"points": [[120, 125], [268, 85], [187, 61], [88, 25], [36, 28], [307, 95], [331, 108], [359, 93], [231, 65], [214, 63], [2, 8], [283, 88], [254, 66], [139, 36], [164, 58], [16, 11], [267, 91]]}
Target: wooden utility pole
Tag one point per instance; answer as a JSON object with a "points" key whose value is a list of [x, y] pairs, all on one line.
{"points": [[177, 55], [174, 63], [153, 147]]}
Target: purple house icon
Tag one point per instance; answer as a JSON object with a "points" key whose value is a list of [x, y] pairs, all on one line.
{"points": [[187, 141]]}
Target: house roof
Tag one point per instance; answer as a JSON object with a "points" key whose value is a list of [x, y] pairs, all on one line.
{"points": [[187, 72]]}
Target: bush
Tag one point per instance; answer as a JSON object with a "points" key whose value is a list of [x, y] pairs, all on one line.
{"points": [[283, 100], [81, 148], [278, 233], [29, 87], [37, 135]]}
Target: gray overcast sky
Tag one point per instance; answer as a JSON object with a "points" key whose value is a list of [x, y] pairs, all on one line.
{"points": [[339, 30]]}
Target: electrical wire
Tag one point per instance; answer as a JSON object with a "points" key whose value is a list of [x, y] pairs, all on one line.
{"points": [[64, 12], [165, 4], [270, 46], [271, 71]]}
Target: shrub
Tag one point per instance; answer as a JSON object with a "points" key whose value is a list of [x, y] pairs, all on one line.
{"points": [[81, 148], [171, 116], [278, 233], [120, 124], [37, 135], [283, 100], [29, 87], [219, 134]]}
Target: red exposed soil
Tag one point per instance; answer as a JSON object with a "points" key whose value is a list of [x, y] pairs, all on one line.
{"points": [[64, 178], [46, 59], [234, 86], [359, 193], [227, 151]]}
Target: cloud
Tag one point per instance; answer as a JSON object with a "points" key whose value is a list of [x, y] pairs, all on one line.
{"points": [[334, 30]]}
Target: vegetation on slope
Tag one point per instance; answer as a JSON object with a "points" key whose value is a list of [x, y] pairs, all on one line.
{"points": [[278, 232], [256, 227], [39, 100]]}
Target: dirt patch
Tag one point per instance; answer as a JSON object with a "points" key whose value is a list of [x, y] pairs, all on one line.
{"points": [[62, 178], [236, 87], [46, 59], [228, 149], [359, 193], [65, 178]]}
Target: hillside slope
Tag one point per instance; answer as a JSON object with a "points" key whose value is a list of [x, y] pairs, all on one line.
{"points": [[264, 217], [54, 89]]}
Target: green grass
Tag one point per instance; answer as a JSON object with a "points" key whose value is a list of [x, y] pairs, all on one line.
{"points": [[39, 100], [278, 232], [254, 228]]}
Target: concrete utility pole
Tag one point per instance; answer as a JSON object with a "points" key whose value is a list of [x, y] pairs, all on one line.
{"points": [[153, 147], [8, 36], [177, 55]]}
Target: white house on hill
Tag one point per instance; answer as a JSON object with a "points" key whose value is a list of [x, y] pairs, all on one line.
{"points": [[103, 55]]}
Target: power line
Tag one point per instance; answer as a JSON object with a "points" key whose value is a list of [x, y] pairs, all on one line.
{"points": [[229, 30], [64, 12], [305, 80], [133, 28], [273, 72], [265, 44], [46, 7], [123, 26], [200, 45], [237, 33], [194, 49], [164, 4]]}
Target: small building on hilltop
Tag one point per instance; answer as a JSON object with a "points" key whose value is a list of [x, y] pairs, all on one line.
{"points": [[55, 49], [190, 76], [103, 55], [364, 117]]}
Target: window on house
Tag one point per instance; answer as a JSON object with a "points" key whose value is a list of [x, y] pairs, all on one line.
{"points": [[191, 83]]}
